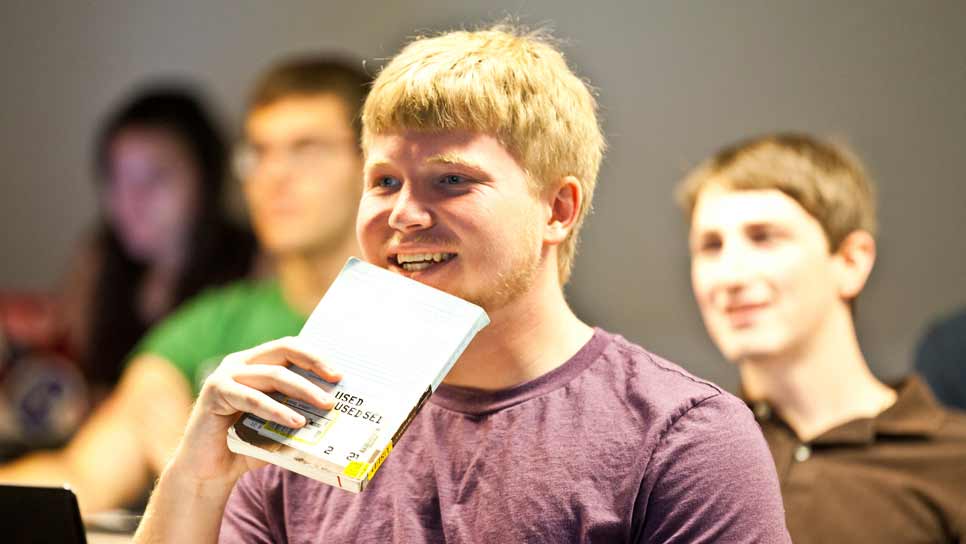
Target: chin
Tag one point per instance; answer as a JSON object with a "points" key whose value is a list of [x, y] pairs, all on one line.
{"points": [[137, 250], [751, 353]]}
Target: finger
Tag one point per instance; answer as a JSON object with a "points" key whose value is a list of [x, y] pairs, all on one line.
{"points": [[283, 380], [241, 398], [292, 350]]}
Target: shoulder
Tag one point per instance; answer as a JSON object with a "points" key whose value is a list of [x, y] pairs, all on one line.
{"points": [[666, 408], [707, 473], [213, 307], [237, 294], [660, 387], [952, 429]]}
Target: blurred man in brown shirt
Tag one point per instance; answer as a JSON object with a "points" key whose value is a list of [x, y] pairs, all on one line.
{"points": [[782, 242]]}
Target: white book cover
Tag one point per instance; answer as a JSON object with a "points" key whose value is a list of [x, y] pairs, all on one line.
{"points": [[394, 340]]}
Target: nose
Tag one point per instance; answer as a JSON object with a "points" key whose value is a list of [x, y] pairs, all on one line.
{"points": [[273, 168], [734, 267], [409, 212]]}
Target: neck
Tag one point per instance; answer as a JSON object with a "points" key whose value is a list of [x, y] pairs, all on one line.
{"points": [[821, 384], [305, 276], [170, 261], [532, 335], [156, 291]]}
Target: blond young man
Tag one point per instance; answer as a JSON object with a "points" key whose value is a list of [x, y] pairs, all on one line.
{"points": [[482, 149], [782, 242], [301, 165]]}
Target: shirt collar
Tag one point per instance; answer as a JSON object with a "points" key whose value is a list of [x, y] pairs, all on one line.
{"points": [[915, 413]]}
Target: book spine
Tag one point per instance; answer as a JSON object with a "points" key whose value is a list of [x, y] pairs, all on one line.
{"points": [[356, 469]]}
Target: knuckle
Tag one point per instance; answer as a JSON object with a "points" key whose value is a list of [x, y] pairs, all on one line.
{"points": [[278, 373]]}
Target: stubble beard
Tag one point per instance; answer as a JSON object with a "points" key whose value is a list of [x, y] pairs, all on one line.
{"points": [[511, 283]]}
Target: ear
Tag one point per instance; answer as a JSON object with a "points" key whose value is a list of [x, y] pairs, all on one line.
{"points": [[853, 262], [564, 208]]}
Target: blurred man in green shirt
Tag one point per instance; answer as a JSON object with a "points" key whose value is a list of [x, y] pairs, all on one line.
{"points": [[301, 167]]}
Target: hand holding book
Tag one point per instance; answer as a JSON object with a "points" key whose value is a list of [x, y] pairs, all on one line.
{"points": [[396, 340], [242, 384]]}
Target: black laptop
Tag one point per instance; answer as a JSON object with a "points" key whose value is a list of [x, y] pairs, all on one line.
{"points": [[39, 515]]}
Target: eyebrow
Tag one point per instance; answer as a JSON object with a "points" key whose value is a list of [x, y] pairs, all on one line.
{"points": [[377, 164], [443, 158], [454, 159]]}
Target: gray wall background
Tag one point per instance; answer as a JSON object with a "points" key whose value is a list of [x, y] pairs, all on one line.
{"points": [[676, 80]]}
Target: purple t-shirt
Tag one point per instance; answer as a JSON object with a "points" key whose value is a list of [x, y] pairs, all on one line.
{"points": [[616, 445]]}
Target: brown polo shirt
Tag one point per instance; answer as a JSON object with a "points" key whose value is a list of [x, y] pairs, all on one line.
{"points": [[899, 477]]}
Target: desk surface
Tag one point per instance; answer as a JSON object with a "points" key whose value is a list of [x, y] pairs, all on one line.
{"points": [[95, 537], [112, 527]]}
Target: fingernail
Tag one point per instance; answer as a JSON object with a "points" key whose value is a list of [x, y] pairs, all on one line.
{"points": [[298, 420]]}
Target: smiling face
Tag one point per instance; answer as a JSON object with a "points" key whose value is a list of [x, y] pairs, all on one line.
{"points": [[453, 210], [762, 272]]}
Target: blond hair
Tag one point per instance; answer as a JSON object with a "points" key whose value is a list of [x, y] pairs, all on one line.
{"points": [[506, 82], [826, 179]]}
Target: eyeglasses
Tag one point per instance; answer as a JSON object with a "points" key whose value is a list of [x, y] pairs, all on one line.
{"points": [[304, 156]]}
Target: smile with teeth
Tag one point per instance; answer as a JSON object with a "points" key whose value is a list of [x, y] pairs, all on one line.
{"points": [[414, 262]]}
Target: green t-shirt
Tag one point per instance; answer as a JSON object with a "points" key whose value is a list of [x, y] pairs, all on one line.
{"points": [[218, 322]]}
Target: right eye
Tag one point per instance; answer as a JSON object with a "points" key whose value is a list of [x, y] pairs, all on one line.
{"points": [[708, 244], [711, 244], [387, 182]]}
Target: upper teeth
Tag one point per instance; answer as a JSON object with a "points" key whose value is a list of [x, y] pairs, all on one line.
{"points": [[419, 257]]}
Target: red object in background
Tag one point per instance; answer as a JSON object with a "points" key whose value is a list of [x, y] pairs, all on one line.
{"points": [[31, 320], [43, 397]]}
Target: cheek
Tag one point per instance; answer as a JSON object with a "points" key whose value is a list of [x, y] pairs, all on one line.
{"points": [[700, 284], [369, 225], [131, 207], [186, 199], [256, 198], [168, 205], [798, 281], [519, 226]]}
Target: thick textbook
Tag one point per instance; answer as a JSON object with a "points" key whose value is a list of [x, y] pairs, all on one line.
{"points": [[394, 340]]}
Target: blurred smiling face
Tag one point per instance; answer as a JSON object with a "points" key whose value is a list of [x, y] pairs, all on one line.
{"points": [[761, 271], [453, 210]]}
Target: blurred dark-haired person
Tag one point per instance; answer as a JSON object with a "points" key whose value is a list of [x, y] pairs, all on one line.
{"points": [[782, 241], [161, 162], [301, 167], [164, 235]]}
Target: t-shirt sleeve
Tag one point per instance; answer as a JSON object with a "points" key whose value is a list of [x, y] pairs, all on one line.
{"points": [[187, 337], [245, 519], [712, 479]]}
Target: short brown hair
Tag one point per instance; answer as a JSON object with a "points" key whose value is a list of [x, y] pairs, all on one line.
{"points": [[309, 75], [504, 81], [826, 179]]}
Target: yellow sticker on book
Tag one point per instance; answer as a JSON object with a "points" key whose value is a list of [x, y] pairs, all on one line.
{"points": [[355, 469], [375, 467]]}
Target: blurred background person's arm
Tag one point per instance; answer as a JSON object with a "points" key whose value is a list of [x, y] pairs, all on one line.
{"points": [[123, 445]]}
